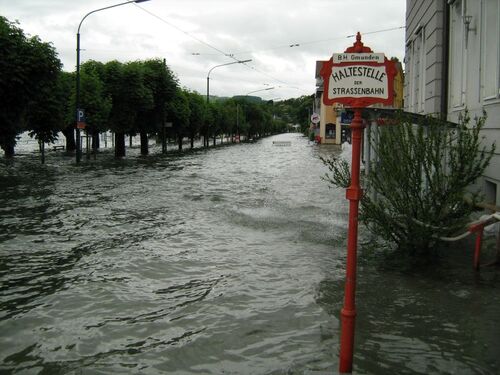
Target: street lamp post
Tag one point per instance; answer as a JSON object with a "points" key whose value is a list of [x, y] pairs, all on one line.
{"points": [[205, 140], [78, 149], [266, 89], [216, 66]]}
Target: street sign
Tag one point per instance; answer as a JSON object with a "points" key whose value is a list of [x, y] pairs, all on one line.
{"points": [[169, 124], [80, 115], [80, 119], [346, 117], [315, 118], [358, 57], [358, 77]]}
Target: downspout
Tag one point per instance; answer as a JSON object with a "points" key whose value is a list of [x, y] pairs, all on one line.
{"points": [[445, 65]]}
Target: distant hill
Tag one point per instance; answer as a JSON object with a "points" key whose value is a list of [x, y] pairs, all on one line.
{"points": [[248, 98]]}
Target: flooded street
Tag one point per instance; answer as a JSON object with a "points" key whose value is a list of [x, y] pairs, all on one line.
{"points": [[225, 261]]}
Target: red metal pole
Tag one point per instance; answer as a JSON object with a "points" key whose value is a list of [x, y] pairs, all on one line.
{"points": [[477, 250], [353, 194], [477, 228]]}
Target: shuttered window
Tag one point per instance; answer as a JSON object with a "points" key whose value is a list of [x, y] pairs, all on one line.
{"points": [[490, 60]]}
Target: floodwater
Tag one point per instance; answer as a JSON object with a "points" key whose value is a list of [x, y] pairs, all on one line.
{"points": [[226, 261]]}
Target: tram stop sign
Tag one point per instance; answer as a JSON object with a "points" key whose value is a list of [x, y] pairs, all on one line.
{"points": [[358, 77]]}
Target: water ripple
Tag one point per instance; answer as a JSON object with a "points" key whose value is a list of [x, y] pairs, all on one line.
{"points": [[230, 260]]}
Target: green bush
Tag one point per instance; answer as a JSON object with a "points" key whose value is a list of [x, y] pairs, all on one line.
{"points": [[311, 135], [424, 173]]}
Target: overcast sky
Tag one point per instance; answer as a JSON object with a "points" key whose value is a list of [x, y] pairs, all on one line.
{"points": [[284, 38]]}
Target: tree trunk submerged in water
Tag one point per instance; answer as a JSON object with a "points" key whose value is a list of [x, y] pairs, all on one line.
{"points": [[144, 143], [96, 143], [69, 133], [8, 151], [41, 146], [119, 145], [180, 142]]}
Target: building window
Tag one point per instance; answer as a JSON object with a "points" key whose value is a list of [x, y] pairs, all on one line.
{"points": [[458, 54], [330, 131], [490, 190], [490, 59], [417, 71]]}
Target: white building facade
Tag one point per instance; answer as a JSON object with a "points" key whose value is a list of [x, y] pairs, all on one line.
{"points": [[452, 63]]}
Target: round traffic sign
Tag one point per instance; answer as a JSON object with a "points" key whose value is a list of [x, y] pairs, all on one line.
{"points": [[314, 118]]}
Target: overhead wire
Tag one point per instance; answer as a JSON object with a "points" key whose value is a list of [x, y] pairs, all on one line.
{"points": [[299, 44], [232, 55]]}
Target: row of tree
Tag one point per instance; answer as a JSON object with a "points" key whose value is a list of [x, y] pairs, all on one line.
{"points": [[140, 97]]}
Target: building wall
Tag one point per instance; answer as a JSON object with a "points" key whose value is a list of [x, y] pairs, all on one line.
{"points": [[328, 115], [474, 69], [424, 57], [398, 86], [448, 75]]}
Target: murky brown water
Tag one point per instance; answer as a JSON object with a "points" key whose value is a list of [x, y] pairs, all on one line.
{"points": [[222, 261]]}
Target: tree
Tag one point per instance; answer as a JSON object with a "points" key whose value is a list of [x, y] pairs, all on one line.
{"points": [[227, 117], [212, 121], [255, 117], [28, 72], [421, 181], [67, 88], [125, 85], [295, 110], [94, 100], [45, 108], [162, 83], [197, 109], [178, 112], [207, 124]]}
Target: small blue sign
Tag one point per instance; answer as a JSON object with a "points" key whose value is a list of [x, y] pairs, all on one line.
{"points": [[80, 115], [346, 117]]}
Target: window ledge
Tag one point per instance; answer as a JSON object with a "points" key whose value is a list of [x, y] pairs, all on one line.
{"points": [[457, 108], [492, 100]]}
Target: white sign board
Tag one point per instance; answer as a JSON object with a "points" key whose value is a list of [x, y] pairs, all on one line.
{"points": [[358, 81], [358, 57]]}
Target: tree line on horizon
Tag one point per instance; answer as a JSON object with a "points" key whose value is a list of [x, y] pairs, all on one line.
{"points": [[132, 98]]}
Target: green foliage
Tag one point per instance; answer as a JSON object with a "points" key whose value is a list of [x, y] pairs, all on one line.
{"points": [[93, 97], [125, 86], [311, 136], [159, 79], [66, 84], [197, 110], [45, 112], [127, 98], [340, 174], [213, 118], [29, 71], [296, 110], [424, 173], [178, 112], [255, 117]]}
